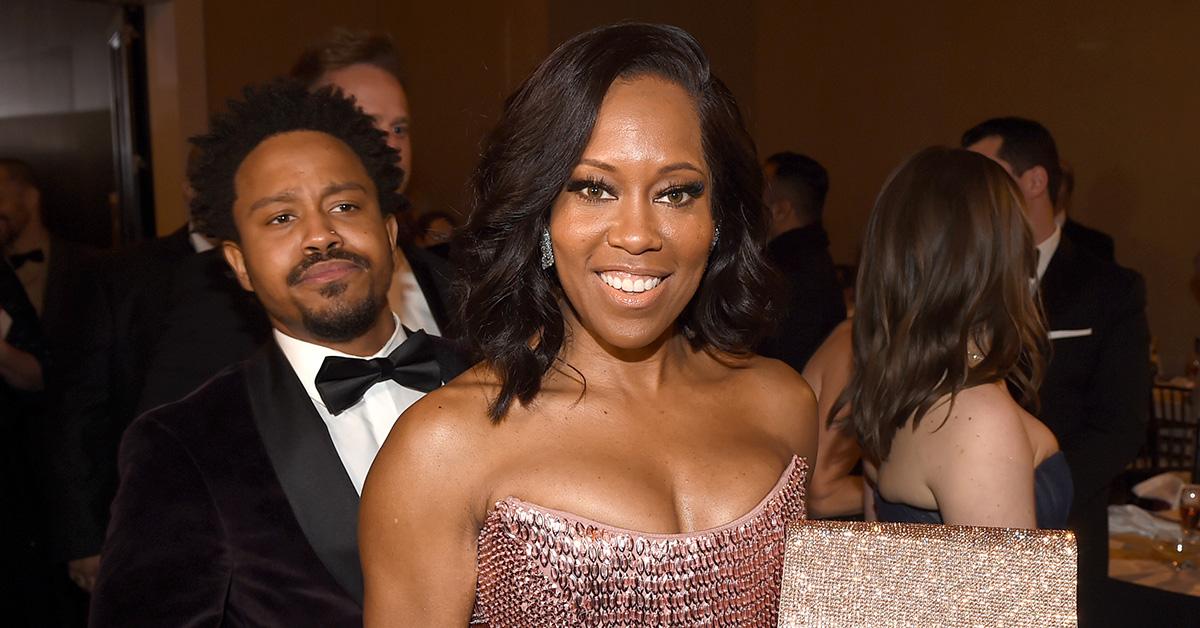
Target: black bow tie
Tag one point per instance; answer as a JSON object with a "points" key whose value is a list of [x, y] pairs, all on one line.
{"points": [[19, 259], [341, 382]]}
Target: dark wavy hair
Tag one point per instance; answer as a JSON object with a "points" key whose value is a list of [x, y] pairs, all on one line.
{"points": [[509, 307], [270, 109], [948, 258]]}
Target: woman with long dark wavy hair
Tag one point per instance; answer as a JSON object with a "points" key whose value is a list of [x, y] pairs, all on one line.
{"points": [[618, 455], [947, 323]]}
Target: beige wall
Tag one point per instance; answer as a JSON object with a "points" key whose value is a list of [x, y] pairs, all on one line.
{"points": [[862, 88], [461, 60], [178, 109], [857, 86]]}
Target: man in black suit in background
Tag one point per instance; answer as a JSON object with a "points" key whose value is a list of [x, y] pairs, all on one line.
{"points": [[132, 297], [57, 277], [1097, 385], [796, 186], [26, 578], [238, 504]]}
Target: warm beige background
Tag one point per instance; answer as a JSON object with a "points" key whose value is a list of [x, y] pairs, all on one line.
{"points": [[859, 86]]}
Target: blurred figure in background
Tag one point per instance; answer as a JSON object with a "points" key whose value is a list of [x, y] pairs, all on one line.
{"points": [[131, 357], [836, 490], [26, 578], [366, 66], [58, 278], [795, 191], [435, 230]]}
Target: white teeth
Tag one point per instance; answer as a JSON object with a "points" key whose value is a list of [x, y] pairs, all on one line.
{"points": [[629, 284]]}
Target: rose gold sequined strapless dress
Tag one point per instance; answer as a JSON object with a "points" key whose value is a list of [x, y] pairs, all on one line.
{"points": [[541, 567]]}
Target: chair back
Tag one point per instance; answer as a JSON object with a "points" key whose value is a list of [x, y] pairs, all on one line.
{"points": [[840, 573], [1173, 431]]}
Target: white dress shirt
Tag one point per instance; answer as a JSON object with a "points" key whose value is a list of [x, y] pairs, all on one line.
{"points": [[412, 309], [359, 431]]}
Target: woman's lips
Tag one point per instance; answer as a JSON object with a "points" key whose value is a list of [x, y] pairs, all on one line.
{"points": [[632, 289], [630, 283]]}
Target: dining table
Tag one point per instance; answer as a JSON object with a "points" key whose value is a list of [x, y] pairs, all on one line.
{"points": [[1153, 569]]}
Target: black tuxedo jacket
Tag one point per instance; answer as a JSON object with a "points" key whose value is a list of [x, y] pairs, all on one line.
{"points": [[211, 324], [814, 304], [235, 509], [1094, 241], [1096, 390], [435, 277], [1094, 397], [126, 299], [20, 414]]}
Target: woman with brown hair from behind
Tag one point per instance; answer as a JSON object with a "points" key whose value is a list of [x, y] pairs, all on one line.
{"points": [[947, 324]]}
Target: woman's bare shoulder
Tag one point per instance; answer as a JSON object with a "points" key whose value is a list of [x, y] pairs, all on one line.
{"points": [[773, 382], [772, 393], [983, 419]]}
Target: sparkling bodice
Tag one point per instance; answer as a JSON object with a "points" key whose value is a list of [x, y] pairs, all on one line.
{"points": [[541, 567]]}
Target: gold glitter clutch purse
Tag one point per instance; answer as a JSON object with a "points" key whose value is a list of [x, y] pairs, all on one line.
{"points": [[909, 574]]}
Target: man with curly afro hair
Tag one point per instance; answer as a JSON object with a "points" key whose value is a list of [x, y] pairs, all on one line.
{"points": [[238, 504]]}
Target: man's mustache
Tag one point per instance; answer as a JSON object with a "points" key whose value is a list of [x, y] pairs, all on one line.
{"points": [[297, 273]]}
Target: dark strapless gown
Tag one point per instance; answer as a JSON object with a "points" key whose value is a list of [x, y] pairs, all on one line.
{"points": [[1052, 492]]}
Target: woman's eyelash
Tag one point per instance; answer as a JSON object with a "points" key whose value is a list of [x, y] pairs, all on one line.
{"points": [[695, 189], [578, 185]]}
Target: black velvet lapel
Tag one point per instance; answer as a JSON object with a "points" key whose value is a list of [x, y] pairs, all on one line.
{"points": [[309, 469]]}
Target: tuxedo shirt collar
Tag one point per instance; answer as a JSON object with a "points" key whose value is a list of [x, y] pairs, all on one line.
{"points": [[306, 358], [1046, 249]]}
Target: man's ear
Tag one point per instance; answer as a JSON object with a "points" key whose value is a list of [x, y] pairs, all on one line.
{"points": [[1034, 182], [237, 261], [393, 228]]}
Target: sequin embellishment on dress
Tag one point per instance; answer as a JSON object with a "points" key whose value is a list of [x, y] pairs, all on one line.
{"points": [[540, 567]]}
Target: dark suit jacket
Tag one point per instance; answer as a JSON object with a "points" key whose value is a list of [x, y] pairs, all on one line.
{"points": [[814, 305], [1094, 397], [126, 301], [434, 275], [235, 509], [1094, 241], [211, 324], [20, 414]]}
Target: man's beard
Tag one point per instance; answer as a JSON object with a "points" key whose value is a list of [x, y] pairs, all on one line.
{"points": [[340, 321]]}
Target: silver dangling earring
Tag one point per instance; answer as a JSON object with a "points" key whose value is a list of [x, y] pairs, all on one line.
{"points": [[547, 250], [716, 237]]}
